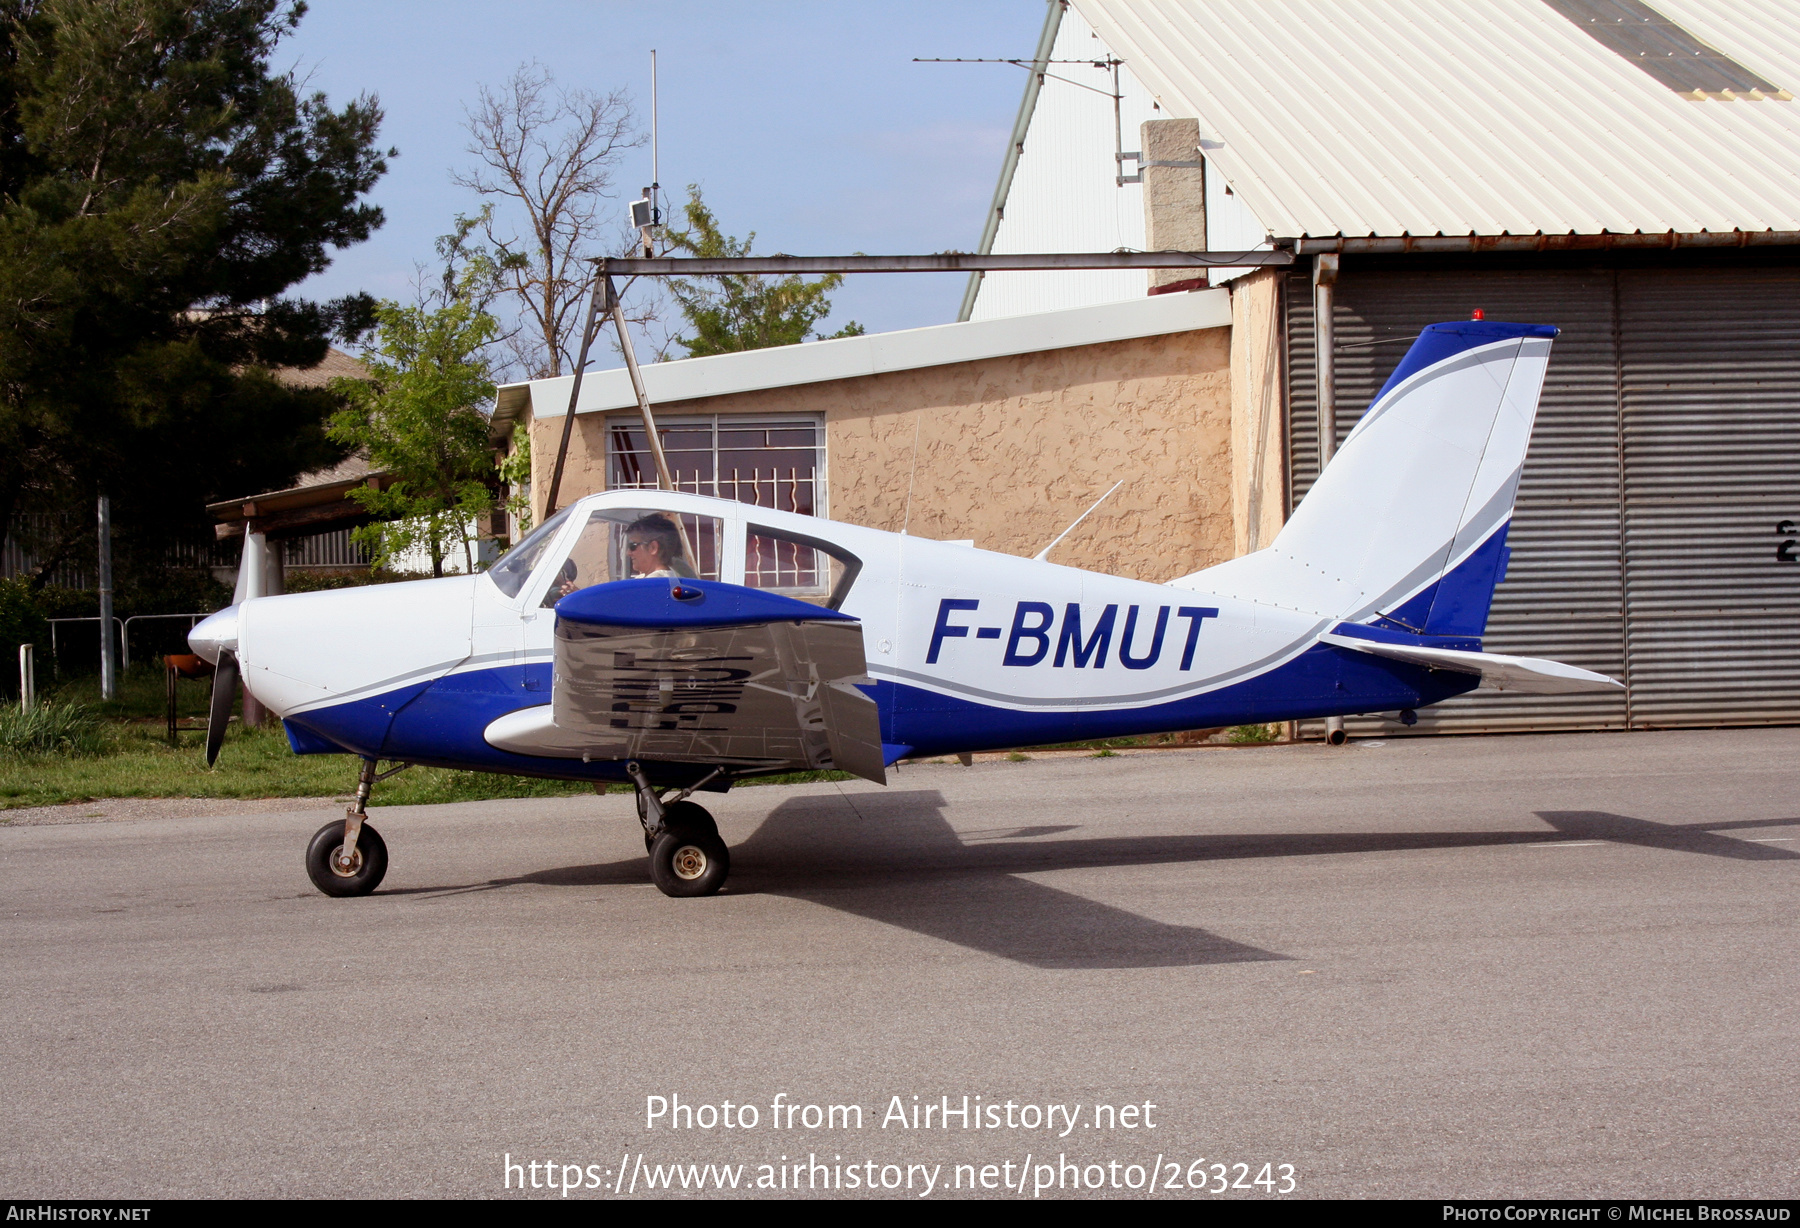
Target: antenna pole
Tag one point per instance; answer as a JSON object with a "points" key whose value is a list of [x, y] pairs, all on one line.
{"points": [[664, 479], [655, 166], [589, 329]]}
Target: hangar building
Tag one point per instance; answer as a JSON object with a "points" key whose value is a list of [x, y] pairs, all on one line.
{"points": [[1628, 173]]}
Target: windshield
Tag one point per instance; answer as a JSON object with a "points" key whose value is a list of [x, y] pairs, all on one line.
{"points": [[514, 568]]}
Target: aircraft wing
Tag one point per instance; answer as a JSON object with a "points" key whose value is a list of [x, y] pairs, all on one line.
{"points": [[719, 674], [1498, 672]]}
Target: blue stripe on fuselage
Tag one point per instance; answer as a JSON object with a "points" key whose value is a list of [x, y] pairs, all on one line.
{"points": [[442, 724], [1322, 681]]}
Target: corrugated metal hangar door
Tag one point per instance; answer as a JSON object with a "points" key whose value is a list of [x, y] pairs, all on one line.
{"points": [[1666, 455]]}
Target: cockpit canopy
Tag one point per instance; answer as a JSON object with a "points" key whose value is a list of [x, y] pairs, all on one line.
{"points": [[594, 541]]}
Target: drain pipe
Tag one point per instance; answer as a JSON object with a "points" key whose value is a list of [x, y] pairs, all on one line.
{"points": [[1325, 272]]}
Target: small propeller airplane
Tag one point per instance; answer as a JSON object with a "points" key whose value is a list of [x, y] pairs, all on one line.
{"points": [[681, 643]]}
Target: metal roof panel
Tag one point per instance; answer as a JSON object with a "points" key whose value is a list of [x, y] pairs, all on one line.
{"points": [[1416, 117]]}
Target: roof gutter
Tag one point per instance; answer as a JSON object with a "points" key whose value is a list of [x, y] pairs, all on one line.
{"points": [[1015, 147], [1605, 241], [939, 262]]}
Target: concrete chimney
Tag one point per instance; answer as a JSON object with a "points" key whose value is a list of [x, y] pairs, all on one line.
{"points": [[1174, 198]]}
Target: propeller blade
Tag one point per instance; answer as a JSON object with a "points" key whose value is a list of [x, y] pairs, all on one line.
{"points": [[224, 693]]}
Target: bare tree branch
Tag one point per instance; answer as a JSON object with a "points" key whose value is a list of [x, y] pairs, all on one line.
{"points": [[546, 155]]}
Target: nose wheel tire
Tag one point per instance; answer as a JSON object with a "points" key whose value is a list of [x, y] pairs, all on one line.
{"points": [[366, 870], [685, 862]]}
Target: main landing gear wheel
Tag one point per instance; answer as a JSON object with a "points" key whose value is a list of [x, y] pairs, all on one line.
{"points": [[366, 869], [688, 859], [687, 816]]}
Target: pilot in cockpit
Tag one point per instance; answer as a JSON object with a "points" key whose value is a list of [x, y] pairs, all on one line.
{"points": [[653, 545]]}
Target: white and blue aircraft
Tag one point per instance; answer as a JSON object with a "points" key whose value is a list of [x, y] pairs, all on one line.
{"points": [[682, 643]]}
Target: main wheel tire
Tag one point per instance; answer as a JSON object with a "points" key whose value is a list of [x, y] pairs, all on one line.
{"points": [[689, 816], [370, 865], [686, 863], [685, 816]]}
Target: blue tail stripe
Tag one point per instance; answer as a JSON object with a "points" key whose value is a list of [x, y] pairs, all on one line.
{"points": [[1440, 341], [1457, 604]]}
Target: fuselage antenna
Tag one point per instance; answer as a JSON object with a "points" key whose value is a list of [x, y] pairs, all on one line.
{"points": [[1039, 556]]}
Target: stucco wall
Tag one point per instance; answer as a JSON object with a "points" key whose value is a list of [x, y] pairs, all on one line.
{"points": [[1010, 450], [1258, 430]]}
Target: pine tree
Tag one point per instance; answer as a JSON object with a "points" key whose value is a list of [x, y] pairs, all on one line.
{"points": [[731, 313], [160, 191]]}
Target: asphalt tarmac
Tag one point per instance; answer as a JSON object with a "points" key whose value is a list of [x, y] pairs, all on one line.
{"points": [[1451, 967]]}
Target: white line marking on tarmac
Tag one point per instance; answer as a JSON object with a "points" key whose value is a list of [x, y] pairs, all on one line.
{"points": [[1568, 844], [1771, 839]]}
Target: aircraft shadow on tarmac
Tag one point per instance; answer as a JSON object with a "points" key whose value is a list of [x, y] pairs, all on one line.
{"points": [[893, 857], [896, 859], [1679, 837]]}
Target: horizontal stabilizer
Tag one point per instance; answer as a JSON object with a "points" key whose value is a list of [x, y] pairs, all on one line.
{"points": [[1498, 672]]}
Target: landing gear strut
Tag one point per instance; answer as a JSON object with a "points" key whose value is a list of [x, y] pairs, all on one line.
{"points": [[687, 857], [350, 858]]}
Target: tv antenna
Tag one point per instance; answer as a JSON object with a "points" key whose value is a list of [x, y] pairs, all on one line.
{"points": [[1107, 63], [646, 214]]}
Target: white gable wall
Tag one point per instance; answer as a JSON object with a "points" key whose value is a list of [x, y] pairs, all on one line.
{"points": [[1063, 197]]}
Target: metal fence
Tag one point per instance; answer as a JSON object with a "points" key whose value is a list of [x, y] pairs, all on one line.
{"points": [[19, 559], [334, 549]]}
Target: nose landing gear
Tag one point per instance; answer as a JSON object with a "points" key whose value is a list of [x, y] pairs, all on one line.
{"points": [[350, 858], [687, 857]]}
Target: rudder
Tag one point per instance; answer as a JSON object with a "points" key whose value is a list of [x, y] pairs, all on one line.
{"points": [[1407, 524]]}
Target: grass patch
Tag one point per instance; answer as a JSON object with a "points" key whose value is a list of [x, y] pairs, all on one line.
{"points": [[50, 729], [1015, 756], [795, 778], [138, 694], [1250, 735], [1104, 754], [135, 760], [252, 763]]}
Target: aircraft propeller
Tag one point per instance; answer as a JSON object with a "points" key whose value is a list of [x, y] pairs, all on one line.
{"points": [[224, 694]]}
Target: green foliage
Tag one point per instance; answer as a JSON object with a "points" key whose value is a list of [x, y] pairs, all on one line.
{"points": [[25, 615], [733, 313], [160, 191], [49, 729], [515, 472], [1245, 735], [417, 418], [322, 581], [21, 621]]}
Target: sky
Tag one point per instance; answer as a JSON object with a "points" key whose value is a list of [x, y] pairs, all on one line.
{"points": [[805, 122]]}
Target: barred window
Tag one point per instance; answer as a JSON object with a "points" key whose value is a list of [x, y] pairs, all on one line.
{"points": [[774, 463]]}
